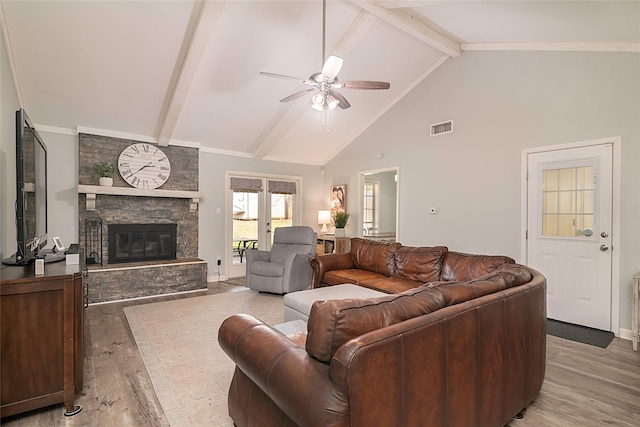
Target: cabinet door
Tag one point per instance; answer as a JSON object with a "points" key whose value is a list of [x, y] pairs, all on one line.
{"points": [[32, 343]]}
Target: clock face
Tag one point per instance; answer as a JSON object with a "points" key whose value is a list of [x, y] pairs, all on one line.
{"points": [[144, 166]]}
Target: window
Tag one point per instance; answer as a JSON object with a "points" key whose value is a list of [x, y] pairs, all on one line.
{"points": [[568, 202], [370, 202]]}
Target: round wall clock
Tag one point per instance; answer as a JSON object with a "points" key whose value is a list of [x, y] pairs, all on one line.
{"points": [[144, 166]]}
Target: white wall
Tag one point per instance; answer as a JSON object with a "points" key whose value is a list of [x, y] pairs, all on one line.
{"points": [[62, 183], [9, 103], [501, 103]]}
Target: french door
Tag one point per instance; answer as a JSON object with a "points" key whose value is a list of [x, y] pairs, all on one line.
{"points": [[569, 231], [258, 204]]}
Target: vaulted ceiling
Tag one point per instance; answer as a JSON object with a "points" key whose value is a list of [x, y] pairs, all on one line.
{"points": [[185, 72]]}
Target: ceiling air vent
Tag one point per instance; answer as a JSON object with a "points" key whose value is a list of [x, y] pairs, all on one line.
{"points": [[440, 128]]}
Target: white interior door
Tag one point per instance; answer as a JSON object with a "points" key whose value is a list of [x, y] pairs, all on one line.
{"points": [[569, 199]]}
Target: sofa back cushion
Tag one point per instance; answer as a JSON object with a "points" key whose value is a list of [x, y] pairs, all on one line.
{"points": [[507, 276], [460, 267], [421, 264], [375, 256], [334, 322]]}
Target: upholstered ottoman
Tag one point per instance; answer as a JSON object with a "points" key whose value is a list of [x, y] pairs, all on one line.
{"points": [[297, 305]]}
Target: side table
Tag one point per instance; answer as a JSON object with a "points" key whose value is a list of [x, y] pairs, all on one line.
{"points": [[635, 312]]}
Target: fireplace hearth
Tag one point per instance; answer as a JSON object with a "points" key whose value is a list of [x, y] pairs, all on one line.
{"points": [[141, 242]]}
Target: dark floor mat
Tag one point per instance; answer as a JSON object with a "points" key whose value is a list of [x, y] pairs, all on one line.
{"points": [[579, 333]]}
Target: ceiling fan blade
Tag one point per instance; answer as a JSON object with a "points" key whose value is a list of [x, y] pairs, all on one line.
{"points": [[282, 76], [344, 104], [363, 84], [332, 67], [297, 95]]}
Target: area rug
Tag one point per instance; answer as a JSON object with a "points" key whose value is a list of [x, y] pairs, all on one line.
{"points": [[579, 333], [178, 341]]}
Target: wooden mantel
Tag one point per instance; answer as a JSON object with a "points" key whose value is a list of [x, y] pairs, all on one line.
{"points": [[92, 190]]}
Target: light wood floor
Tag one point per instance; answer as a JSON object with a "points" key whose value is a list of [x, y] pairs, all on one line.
{"points": [[584, 385]]}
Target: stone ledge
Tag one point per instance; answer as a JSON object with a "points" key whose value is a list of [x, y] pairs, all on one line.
{"points": [[136, 280]]}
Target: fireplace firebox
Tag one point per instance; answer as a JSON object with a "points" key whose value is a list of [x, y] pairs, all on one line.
{"points": [[141, 242]]}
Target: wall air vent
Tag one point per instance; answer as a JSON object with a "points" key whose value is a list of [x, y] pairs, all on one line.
{"points": [[440, 128]]}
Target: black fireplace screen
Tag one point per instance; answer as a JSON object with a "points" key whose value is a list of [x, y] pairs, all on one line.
{"points": [[141, 242]]}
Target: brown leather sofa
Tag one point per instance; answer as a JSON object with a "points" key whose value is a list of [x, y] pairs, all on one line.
{"points": [[391, 267], [446, 353]]}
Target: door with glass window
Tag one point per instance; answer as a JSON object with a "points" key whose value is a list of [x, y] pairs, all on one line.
{"points": [[259, 205], [568, 233]]}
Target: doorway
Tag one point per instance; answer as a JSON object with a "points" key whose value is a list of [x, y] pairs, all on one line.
{"points": [[378, 204], [257, 205], [570, 233]]}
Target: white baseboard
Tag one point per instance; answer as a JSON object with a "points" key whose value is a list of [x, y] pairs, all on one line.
{"points": [[216, 278], [625, 334]]}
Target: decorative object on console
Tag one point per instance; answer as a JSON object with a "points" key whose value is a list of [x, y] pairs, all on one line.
{"points": [[106, 171], [144, 165], [340, 220], [324, 218]]}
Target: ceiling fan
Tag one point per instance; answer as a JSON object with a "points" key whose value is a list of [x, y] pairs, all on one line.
{"points": [[323, 84]]}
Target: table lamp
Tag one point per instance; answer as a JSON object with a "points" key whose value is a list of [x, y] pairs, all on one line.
{"points": [[324, 218]]}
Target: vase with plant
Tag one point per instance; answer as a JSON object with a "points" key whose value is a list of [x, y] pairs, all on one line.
{"points": [[340, 220], [106, 171]]}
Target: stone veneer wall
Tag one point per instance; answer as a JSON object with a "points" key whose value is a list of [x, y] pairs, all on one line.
{"points": [[135, 282], [111, 209], [99, 149]]}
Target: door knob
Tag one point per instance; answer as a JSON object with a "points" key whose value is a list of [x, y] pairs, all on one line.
{"points": [[604, 234], [604, 248]]}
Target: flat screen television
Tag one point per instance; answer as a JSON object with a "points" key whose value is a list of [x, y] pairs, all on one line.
{"points": [[31, 192]]}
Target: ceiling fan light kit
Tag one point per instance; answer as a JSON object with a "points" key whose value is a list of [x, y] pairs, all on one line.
{"points": [[323, 84]]}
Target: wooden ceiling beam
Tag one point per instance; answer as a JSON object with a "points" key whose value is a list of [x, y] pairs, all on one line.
{"points": [[409, 22], [205, 26]]}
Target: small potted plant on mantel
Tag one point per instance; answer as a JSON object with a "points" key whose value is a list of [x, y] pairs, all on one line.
{"points": [[340, 220], [106, 171]]}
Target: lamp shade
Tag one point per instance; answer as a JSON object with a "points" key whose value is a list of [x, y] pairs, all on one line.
{"points": [[324, 218]]}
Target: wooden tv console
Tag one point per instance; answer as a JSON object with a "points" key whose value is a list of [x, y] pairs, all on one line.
{"points": [[42, 337]]}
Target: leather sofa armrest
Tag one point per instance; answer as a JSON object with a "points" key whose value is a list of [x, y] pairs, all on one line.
{"points": [[323, 263], [297, 383]]}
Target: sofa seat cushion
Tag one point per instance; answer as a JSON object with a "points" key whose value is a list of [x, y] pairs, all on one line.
{"points": [[461, 267], [334, 322], [267, 269], [390, 285], [422, 264], [352, 275], [375, 256]]}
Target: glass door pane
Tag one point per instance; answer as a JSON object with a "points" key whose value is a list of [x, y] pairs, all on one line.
{"points": [[568, 202], [281, 213], [245, 224]]}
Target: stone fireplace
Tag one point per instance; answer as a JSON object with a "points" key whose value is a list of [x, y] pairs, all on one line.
{"points": [[149, 236]]}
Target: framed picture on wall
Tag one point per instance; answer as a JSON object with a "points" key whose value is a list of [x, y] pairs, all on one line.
{"points": [[338, 198]]}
